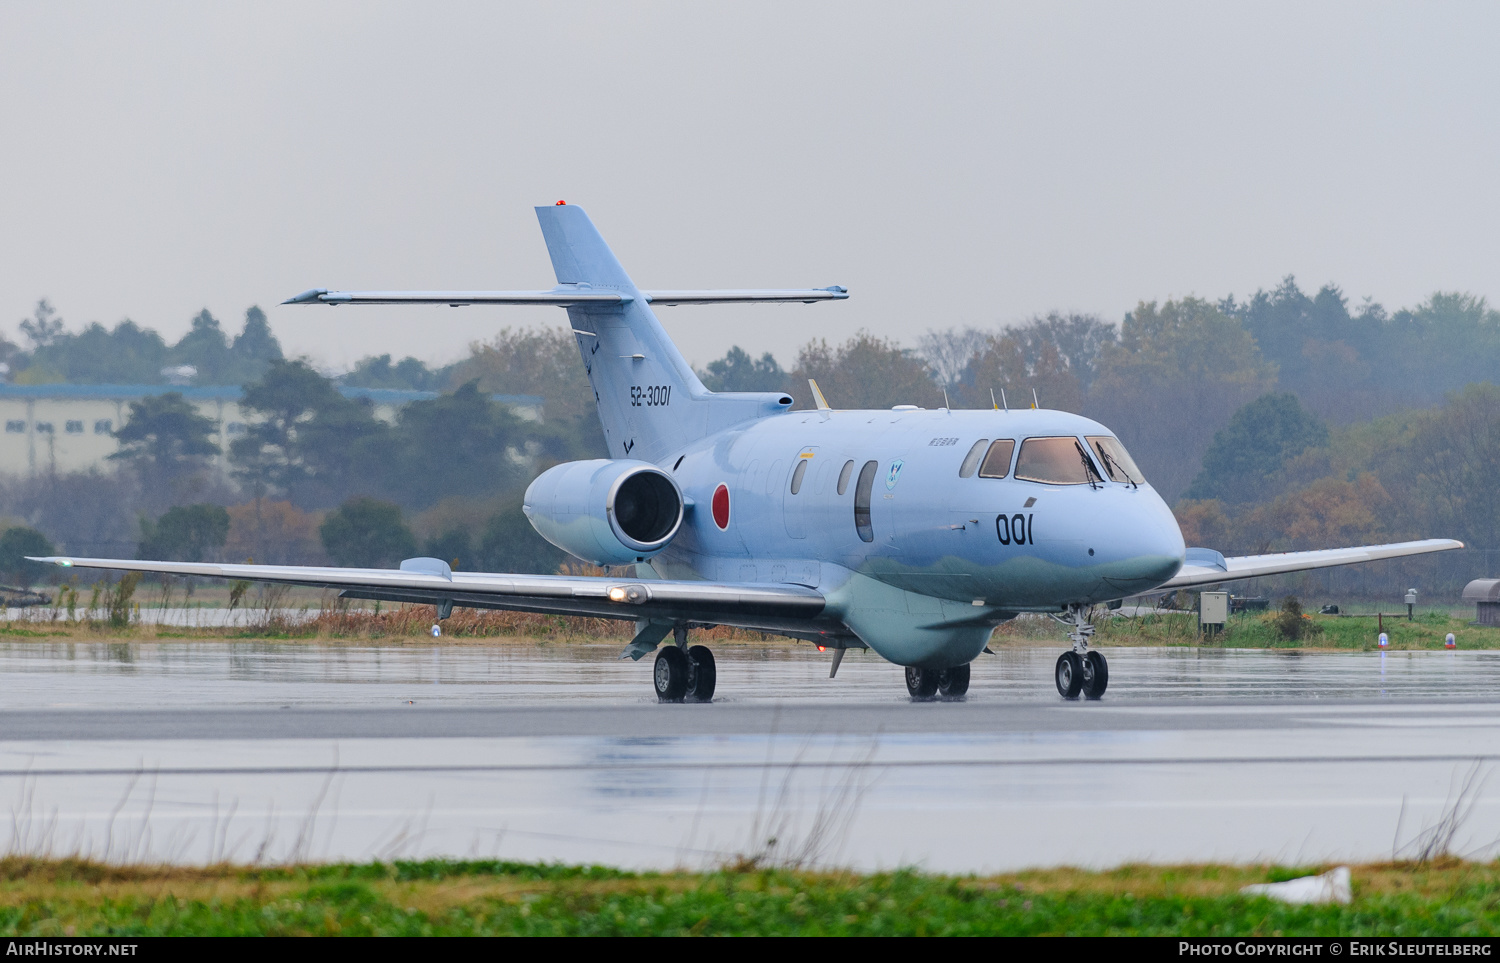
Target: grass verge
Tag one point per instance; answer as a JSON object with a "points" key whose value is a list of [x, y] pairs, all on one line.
{"points": [[51, 898]]}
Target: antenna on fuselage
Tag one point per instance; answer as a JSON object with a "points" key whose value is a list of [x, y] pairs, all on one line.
{"points": [[946, 405], [818, 398], [1034, 403], [1003, 402]]}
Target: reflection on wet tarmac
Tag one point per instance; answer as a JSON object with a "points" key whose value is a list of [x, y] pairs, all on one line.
{"points": [[155, 675], [1195, 755]]}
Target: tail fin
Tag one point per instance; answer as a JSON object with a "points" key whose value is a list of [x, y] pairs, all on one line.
{"points": [[651, 403]]}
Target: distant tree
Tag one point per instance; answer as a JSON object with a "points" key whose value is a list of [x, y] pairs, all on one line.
{"points": [[737, 371], [16, 543], [544, 362], [408, 374], [865, 372], [206, 348], [455, 546], [510, 544], [166, 440], [1177, 374], [129, 354], [1260, 438], [1002, 367], [272, 533], [1204, 524], [307, 439], [253, 350], [186, 533], [456, 444], [947, 353], [1442, 475], [1329, 513], [43, 327], [85, 513], [367, 533]]}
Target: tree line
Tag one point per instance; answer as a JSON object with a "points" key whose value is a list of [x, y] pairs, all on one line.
{"points": [[1282, 421]]}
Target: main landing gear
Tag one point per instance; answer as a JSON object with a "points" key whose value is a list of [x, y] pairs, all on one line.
{"points": [[928, 684], [1080, 671], [683, 673]]}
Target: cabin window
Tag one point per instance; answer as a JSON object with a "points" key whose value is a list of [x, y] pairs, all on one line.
{"points": [[1116, 460], [971, 460], [798, 473], [1055, 461], [844, 476], [997, 462], [862, 501]]}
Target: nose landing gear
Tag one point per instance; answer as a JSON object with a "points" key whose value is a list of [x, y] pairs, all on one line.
{"points": [[1080, 671]]}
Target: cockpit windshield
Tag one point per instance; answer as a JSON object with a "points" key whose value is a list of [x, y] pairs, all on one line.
{"points": [[1116, 460], [1055, 461]]}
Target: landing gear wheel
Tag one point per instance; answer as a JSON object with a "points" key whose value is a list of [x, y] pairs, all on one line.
{"points": [[701, 674], [921, 683], [670, 674], [1095, 676], [1069, 674], [953, 683]]}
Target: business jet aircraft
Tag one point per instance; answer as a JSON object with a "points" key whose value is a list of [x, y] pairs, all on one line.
{"points": [[910, 532]]}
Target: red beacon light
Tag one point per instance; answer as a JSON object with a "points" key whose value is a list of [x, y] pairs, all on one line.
{"points": [[562, 203]]}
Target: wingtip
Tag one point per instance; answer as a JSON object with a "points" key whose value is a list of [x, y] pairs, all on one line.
{"points": [[310, 296]]}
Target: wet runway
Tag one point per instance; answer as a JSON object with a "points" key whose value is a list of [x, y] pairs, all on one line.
{"points": [[199, 751]]}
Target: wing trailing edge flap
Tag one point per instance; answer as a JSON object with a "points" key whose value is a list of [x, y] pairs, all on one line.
{"points": [[751, 605], [1207, 567]]}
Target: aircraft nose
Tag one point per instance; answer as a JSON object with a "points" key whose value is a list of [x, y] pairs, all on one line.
{"points": [[1151, 549]]}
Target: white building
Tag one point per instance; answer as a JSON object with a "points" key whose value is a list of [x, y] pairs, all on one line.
{"points": [[68, 428]]}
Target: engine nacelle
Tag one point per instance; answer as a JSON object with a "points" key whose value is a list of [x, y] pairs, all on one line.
{"points": [[605, 512]]}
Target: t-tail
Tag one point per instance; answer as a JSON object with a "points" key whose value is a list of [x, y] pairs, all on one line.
{"points": [[650, 401]]}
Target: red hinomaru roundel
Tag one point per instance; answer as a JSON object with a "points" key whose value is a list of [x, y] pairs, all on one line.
{"points": [[721, 507]]}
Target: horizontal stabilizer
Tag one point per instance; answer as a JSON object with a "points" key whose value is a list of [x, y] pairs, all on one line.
{"points": [[1210, 568], [568, 295], [562, 297], [770, 295]]}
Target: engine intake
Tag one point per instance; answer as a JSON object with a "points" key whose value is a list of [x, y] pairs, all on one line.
{"points": [[605, 512]]}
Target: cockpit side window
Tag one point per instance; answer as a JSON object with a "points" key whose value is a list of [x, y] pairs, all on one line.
{"points": [[971, 460], [1118, 464], [1055, 461], [997, 462]]}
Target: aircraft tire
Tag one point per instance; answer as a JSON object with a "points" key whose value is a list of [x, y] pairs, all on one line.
{"points": [[702, 676], [921, 683], [1069, 675], [953, 683], [1096, 676], [670, 674]]}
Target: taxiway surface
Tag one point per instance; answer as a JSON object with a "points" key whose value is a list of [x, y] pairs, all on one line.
{"points": [[194, 752]]}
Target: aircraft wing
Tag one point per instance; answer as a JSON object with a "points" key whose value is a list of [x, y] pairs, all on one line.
{"points": [[428, 581], [1207, 567], [566, 296]]}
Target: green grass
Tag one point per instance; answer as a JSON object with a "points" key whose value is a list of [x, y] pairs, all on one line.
{"points": [[452, 898], [1255, 631]]}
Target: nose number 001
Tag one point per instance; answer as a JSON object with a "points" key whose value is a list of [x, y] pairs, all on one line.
{"points": [[1014, 529]]}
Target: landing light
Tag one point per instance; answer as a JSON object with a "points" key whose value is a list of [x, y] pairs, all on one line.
{"points": [[617, 595]]}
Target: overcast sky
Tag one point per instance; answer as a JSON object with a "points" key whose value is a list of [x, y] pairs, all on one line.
{"points": [[951, 164]]}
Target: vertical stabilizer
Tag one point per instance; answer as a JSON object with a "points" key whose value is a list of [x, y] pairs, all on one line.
{"points": [[650, 401]]}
